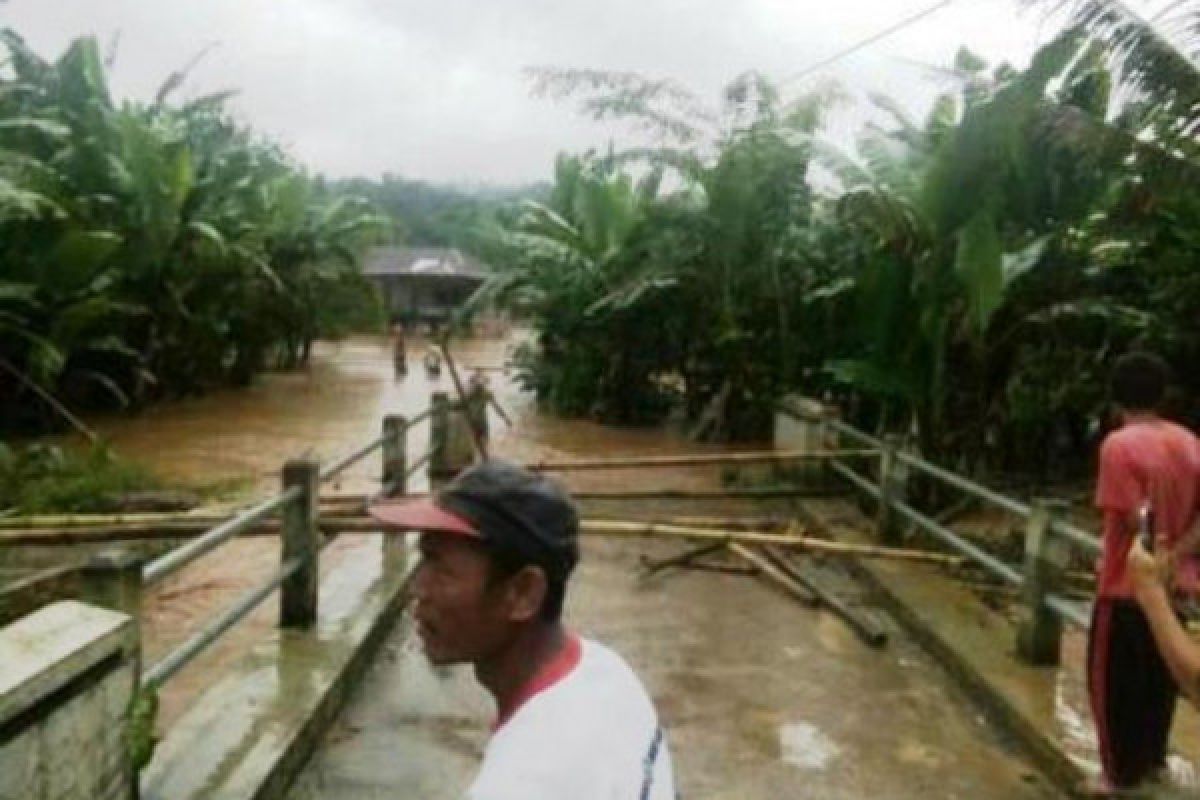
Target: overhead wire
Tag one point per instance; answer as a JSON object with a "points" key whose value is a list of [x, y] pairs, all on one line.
{"points": [[870, 40]]}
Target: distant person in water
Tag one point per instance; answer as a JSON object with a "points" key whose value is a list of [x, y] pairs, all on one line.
{"points": [[573, 722], [1146, 461], [479, 398], [433, 364], [467, 438]]}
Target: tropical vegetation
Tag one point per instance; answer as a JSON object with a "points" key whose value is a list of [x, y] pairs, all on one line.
{"points": [[154, 249], [966, 278]]}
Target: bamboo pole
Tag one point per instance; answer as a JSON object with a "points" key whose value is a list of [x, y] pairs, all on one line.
{"points": [[51, 537], [692, 460], [822, 546], [98, 520], [652, 494], [364, 524], [763, 524]]}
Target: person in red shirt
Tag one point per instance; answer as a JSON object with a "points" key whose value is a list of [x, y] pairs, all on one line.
{"points": [[1147, 461]]}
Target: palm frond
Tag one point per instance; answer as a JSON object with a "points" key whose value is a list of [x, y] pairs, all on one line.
{"points": [[1159, 59]]}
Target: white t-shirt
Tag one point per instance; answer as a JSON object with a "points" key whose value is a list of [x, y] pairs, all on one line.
{"points": [[592, 734]]}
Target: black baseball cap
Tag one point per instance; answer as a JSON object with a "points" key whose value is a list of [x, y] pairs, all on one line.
{"points": [[505, 506]]}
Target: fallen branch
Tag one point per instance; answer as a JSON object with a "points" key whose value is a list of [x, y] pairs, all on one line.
{"points": [[784, 582], [728, 569], [51, 401], [866, 627], [682, 559]]}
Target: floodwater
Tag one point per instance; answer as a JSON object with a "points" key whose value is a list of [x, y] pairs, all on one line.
{"points": [[762, 698]]}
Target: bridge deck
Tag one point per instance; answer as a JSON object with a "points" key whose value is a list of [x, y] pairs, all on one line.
{"points": [[762, 698]]}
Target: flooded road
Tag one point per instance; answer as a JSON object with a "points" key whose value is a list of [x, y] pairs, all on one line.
{"points": [[763, 698]]}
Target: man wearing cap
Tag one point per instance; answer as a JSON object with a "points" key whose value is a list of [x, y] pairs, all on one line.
{"points": [[573, 722]]}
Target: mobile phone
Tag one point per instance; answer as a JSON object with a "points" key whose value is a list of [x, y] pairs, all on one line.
{"points": [[1146, 526]]}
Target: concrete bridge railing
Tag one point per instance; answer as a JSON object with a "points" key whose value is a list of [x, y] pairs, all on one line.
{"points": [[71, 677], [1049, 536]]}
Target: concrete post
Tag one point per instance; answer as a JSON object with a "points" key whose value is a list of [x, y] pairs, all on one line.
{"points": [[1039, 630], [439, 437], [113, 580], [301, 538], [69, 679], [892, 488], [395, 465], [796, 428], [395, 453]]}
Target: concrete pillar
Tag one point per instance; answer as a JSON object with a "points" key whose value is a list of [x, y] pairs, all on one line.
{"points": [[113, 580], [797, 427], [1039, 630], [68, 680], [395, 452], [395, 465], [301, 538], [892, 489]]}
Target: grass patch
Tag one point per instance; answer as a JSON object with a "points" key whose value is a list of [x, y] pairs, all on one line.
{"points": [[225, 489], [44, 478]]}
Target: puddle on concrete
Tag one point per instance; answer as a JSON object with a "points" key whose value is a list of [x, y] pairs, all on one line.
{"points": [[804, 746]]}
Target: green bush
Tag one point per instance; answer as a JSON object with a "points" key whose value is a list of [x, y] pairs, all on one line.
{"points": [[44, 478]]}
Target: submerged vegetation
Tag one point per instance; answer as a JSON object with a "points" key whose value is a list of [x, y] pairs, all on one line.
{"points": [[966, 278], [41, 478], [154, 249]]}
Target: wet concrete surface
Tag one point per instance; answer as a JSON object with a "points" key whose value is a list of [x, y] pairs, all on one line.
{"points": [[256, 722], [1048, 705], [762, 698]]}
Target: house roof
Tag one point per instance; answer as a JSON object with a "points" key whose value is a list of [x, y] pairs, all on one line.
{"points": [[427, 261]]}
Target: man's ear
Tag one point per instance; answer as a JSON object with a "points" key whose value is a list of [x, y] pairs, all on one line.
{"points": [[526, 591]]}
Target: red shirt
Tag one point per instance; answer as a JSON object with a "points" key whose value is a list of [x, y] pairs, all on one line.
{"points": [[1153, 460]]}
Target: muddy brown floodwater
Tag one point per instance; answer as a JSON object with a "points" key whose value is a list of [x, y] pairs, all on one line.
{"points": [[762, 698]]}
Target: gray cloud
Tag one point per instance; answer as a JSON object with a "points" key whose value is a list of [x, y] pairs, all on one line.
{"points": [[436, 90]]}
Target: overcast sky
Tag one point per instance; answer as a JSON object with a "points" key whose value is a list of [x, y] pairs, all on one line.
{"points": [[435, 89]]}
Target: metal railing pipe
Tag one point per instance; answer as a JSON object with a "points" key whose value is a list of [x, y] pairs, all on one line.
{"points": [[1077, 536], [854, 433], [965, 484], [178, 658], [180, 557], [952, 540], [419, 418], [341, 464], [853, 477], [1069, 610]]}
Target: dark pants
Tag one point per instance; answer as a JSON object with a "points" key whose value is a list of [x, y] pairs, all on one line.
{"points": [[1131, 690]]}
